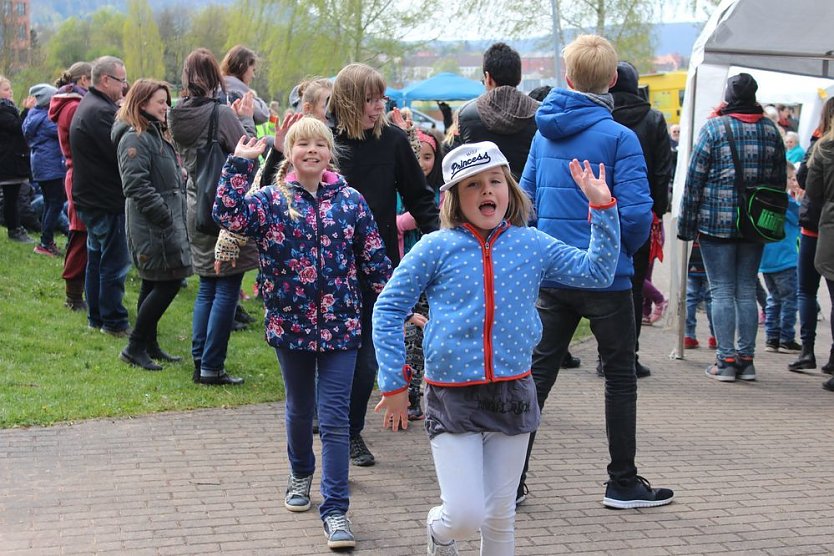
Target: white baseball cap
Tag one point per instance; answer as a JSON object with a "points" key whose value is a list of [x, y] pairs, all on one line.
{"points": [[470, 159]]}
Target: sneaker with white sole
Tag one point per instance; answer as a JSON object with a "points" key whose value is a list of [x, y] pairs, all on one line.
{"points": [[297, 497], [724, 370], [434, 548], [338, 533], [789, 347], [745, 369], [638, 495]]}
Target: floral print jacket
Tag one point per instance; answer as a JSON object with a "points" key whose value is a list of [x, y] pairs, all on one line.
{"points": [[311, 265]]}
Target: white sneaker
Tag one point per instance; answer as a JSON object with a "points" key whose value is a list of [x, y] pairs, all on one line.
{"points": [[434, 548]]}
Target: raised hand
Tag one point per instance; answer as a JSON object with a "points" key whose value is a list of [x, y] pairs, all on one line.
{"points": [[595, 189], [398, 120], [245, 107], [281, 131], [250, 147]]}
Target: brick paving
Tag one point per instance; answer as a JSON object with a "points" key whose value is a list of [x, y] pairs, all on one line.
{"points": [[751, 465]]}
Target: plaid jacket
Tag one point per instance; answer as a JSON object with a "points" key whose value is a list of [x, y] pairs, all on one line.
{"points": [[710, 200]]}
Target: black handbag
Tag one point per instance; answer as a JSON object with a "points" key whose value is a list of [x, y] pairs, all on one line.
{"points": [[210, 161], [760, 216]]}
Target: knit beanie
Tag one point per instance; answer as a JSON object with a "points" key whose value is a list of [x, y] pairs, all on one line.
{"points": [[43, 93], [741, 89]]}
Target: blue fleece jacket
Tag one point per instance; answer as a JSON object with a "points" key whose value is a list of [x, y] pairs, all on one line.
{"points": [[784, 254], [572, 125], [483, 323]]}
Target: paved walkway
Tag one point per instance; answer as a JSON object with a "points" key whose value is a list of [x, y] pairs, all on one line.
{"points": [[751, 464]]}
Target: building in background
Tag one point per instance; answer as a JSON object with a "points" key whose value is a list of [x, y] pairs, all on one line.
{"points": [[15, 24]]}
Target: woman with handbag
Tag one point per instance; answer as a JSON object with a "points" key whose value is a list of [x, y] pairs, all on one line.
{"points": [[205, 132], [154, 214], [715, 184]]}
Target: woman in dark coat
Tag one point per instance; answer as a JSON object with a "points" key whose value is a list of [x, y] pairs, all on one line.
{"points": [[14, 161], [154, 214]]}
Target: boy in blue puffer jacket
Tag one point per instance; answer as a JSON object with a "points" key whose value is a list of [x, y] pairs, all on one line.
{"points": [[578, 123]]}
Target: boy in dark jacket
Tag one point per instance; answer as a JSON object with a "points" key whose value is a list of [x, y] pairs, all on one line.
{"points": [[578, 124], [637, 114]]}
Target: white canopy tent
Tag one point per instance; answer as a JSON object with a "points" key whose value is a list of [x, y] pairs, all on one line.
{"points": [[767, 39]]}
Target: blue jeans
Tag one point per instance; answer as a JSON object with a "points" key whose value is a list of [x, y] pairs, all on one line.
{"points": [[214, 313], [54, 197], [697, 290], [809, 284], [335, 372], [364, 375], [611, 316], [108, 261], [733, 271], [780, 315]]}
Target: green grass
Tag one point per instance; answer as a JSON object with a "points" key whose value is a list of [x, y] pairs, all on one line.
{"points": [[54, 368]]}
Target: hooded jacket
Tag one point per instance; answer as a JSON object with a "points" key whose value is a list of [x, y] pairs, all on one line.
{"points": [[155, 203], [505, 116], [42, 136], [14, 154], [310, 265], [62, 108], [634, 112], [572, 125], [189, 123], [96, 185], [819, 187]]}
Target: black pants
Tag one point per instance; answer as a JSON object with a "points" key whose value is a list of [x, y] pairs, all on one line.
{"points": [[154, 299], [611, 318], [641, 268], [11, 217]]}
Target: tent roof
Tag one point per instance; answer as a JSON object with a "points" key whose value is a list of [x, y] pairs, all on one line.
{"points": [[774, 35], [443, 86]]}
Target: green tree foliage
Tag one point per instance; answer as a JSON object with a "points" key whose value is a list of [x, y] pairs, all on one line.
{"points": [[106, 34], [142, 44], [210, 29], [174, 26], [69, 44]]}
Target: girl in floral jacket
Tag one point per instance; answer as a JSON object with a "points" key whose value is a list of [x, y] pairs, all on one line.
{"points": [[316, 238]]}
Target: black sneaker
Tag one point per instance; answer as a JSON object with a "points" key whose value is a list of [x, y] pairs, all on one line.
{"points": [[360, 455], [571, 362], [641, 370], [521, 494], [638, 495], [789, 347], [297, 496], [772, 345], [829, 384], [338, 533]]}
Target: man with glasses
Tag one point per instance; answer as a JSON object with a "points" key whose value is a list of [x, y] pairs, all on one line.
{"points": [[97, 193], [503, 114]]}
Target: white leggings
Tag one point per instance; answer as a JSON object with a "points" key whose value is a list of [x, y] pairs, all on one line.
{"points": [[478, 475]]}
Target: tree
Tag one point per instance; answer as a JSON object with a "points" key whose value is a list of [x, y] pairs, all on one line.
{"points": [[106, 34], [142, 44], [69, 44], [209, 29], [174, 25]]}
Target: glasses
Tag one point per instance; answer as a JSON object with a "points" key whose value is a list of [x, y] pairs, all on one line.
{"points": [[122, 80], [377, 100]]}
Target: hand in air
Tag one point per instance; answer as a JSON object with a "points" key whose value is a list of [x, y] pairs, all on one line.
{"points": [[281, 131], [395, 415], [30, 102], [595, 189], [245, 107], [398, 120], [250, 147]]}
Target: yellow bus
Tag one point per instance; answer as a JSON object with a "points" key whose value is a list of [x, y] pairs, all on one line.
{"points": [[665, 92]]}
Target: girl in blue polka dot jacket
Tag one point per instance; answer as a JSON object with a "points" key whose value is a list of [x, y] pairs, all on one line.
{"points": [[481, 275]]}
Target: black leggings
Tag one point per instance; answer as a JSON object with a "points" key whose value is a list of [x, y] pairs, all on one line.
{"points": [[10, 215], [154, 299]]}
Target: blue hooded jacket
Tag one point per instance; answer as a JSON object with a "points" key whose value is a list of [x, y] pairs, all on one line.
{"points": [[41, 135], [572, 125]]}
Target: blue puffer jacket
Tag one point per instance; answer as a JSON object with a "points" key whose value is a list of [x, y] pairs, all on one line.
{"points": [[483, 323], [41, 134], [311, 265], [782, 255], [571, 125]]}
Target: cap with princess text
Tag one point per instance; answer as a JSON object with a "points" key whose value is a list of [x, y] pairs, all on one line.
{"points": [[470, 159]]}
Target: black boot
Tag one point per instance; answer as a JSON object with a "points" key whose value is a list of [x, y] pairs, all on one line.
{"points": [[195, 377], [157, 353], [829, 384], [136, 354], [222, 379], [806, 359], [828, 368]]}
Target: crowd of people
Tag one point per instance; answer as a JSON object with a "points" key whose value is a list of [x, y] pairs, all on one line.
{"points": [[527, 230]]}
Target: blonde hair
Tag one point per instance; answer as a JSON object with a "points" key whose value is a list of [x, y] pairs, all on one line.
{"points": [[590, 63], [519, 207], [307, 127], [311, 90], [353, 84]]}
